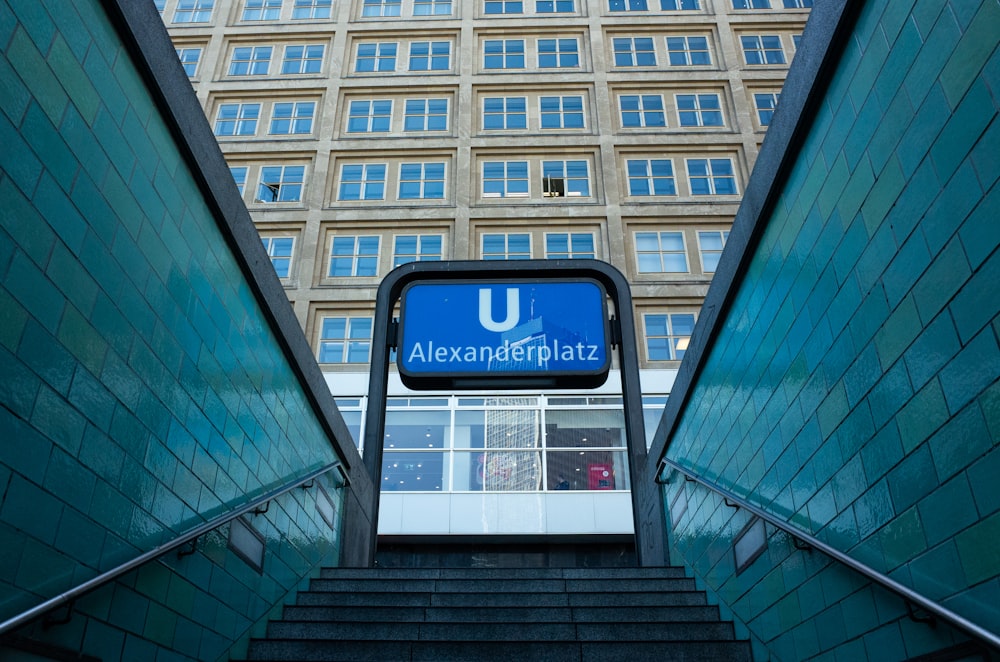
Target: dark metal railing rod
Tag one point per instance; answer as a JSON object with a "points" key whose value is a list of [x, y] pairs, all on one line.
{"points": [[198, 531], [905, 592]]}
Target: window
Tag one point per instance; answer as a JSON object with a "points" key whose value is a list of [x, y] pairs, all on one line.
{"points": [[381, 8], [239, 174], [650, 177], [237, 119], [561, 112], [354, 256], [189, 58], [421, 181], [798, 4], [676, 5], [425, 115], [505, 113], [279, 249], [250, 61], [345, 339], [688, 51], [572, 245], [640, 110], [558, 53], [304, 10], [634, 52], [660, 252], [376, 57], [432, 8], [627, 5], [555, 6], [507, 246], [711, 245], [364, 181], [369, 116], [699, 109], [765, 104], [430, 56], [262, 10], [561, 178], [667, 335], [504, 7], [416, 248], [711, 176], [292, 117], [505, 179], [160, 5], [303, 59], [762, 49], [503, 54], [193, 11], [280, 184], [751, 4]]}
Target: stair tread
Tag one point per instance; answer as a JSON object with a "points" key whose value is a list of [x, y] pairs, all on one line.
{"points": [[545, 614]]}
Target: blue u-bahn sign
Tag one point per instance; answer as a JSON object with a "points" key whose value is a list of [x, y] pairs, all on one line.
{"points": [[504, 334]]}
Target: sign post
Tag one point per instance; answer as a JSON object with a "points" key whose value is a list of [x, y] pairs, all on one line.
{"points": [[530, 324]]}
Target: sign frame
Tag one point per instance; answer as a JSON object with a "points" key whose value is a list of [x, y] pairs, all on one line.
{"points": [[647, 500], [512, 379]]}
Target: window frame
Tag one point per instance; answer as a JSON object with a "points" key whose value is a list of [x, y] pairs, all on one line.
{"points": [[649, 176], [698, 111], [571, 253], [506, 179], [377, 57], [723, 235], [663, 253], [507, 252], [675, 343], [641, 112], [633, 52], [504, 54], [281, 185], [253, 63], [364, 182], [557, 54], [562, 112], [688, 52], [294, 119], [423, 180], [419, 255], [269, 240], [710, 176], [237, 120], [361, 262], [761, 50], [324, 342]]}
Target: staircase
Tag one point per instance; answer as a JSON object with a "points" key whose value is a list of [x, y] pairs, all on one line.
{"points": [[487, 614]]}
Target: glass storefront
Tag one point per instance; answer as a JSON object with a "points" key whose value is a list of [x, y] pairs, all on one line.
{"points": [[503, 444]]}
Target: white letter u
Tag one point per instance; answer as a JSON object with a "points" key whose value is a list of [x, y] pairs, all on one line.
{"points": [[486, 310]]}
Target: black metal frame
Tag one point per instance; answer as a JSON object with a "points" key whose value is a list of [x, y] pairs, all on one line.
{"points": [[647, 507]]}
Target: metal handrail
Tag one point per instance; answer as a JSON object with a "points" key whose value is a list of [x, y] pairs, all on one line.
{"points": [[908, 594], [153, 554]]}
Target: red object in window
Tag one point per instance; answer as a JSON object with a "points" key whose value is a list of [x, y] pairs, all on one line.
{"points": [[600, 477]]}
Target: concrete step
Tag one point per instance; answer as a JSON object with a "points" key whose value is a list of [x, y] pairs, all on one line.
{"points": [[502, 585], [507, 599], [466, 651], [502, 573], [500, 631], [513, 614]]}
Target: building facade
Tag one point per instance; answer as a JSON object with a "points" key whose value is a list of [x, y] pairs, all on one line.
{"points": [[363, 135]]}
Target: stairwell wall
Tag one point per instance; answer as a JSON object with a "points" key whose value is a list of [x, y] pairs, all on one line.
{"points": [[845, 376], [150, 375]]}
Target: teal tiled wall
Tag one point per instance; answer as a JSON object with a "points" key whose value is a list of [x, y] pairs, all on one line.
{"points": [[853, 388], [142, 390]]}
